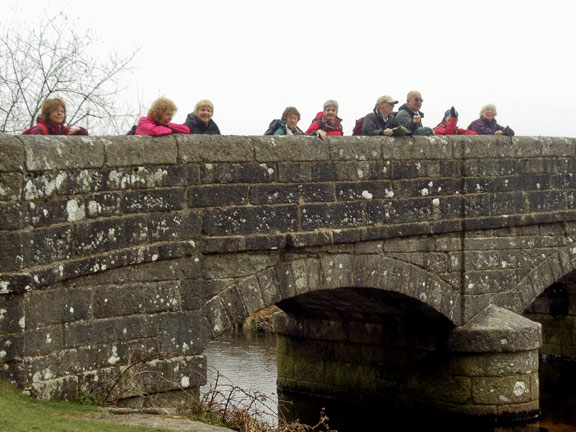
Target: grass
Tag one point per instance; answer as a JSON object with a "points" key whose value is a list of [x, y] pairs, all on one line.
{"points": [[19, 413]]}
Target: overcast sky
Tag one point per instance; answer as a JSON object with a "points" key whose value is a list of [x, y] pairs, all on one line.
{"points": [[253, 58]]}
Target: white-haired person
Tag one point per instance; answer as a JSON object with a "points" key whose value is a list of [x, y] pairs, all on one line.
{"points": [[158, 122], [326, 123], [487, 125], [200, 121]]}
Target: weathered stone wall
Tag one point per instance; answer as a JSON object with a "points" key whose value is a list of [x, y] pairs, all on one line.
{"points": [[113, 248], [487, 369], [555, 309]]}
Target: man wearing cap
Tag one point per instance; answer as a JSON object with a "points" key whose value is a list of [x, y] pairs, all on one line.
{"points": [[381, 121], [410, 116]]}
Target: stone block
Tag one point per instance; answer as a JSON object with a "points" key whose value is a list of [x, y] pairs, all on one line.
{"points": [[12, 215], [141, 150], [64, 388], [13, 155], [174, 225], [216, 318], [12, 318], [105, 235], [103, 205], [546, 201], [215, 148], [44, 340], [114, 301], [11, 252], [275, 149], [216, 173], [360, 191], [64, 152], [250, 220], [309, 370], [282, 194], [269, 286], [157, 200], [56, 306], [502, 390], [237, 265], [359, 148], [218, 196], [337, 215], [249, 290]]}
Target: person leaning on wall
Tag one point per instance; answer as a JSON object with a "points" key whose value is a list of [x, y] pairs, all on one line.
{"points": [[287, 124], [487, 125], [449, 125], [200, 121], [326, 123], [51, 120], [410, 116], [158, 121]]}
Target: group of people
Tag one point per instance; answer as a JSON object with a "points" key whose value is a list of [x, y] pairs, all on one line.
{"points": [[383, 120]]}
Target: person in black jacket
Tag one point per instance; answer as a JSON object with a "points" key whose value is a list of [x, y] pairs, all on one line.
{"points": [[381, 121], [200, 121]]}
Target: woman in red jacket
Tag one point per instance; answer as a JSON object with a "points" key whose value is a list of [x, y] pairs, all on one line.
{"points": [[158, 120], [51, 120], [448, 125], [326, 122]]}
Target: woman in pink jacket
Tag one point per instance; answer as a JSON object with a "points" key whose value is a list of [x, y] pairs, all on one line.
{"points": [[157, 122]]}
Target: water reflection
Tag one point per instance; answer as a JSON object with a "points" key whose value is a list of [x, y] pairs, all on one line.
{"points": [[248, 360]]}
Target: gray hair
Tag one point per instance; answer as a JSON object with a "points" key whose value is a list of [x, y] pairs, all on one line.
{"points": [[330, 102], [485, 107], [411, 93]]}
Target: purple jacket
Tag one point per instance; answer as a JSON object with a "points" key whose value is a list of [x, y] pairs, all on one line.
{"points": [[485, 127]]}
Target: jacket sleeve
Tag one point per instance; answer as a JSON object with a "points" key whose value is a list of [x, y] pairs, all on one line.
{"points": [[80, 131], [37, 130], [370, 126], [405, 119], [146, 126], [449, 129], [313, 128], [479, 127], [178, 128]]}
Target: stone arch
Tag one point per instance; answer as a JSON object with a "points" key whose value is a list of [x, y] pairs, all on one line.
{"points": [[296, 275], [554, 267]]}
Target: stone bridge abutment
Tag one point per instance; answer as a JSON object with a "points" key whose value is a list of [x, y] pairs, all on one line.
{"points": [[404, 265]]}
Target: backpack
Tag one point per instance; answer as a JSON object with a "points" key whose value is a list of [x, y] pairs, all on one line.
{"points": [[358, 127], [42, 125], [274, 125]]}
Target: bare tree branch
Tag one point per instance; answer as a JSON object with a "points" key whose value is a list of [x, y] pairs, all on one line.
{"points": [[49, 58]]}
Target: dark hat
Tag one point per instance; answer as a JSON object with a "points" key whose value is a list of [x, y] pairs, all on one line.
{"points": [[447, 113]]}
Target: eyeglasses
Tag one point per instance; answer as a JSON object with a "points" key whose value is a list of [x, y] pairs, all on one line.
{"points": [[418, 100]]}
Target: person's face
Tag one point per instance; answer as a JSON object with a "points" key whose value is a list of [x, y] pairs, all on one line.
{"points": [[205, 113], [488, 114], [292, 121], [330, 113], [386, 109], [415, 101], [166, 117], [58, 115]]}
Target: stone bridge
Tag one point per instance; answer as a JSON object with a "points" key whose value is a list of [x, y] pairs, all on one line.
{"points": [[410, 269]]}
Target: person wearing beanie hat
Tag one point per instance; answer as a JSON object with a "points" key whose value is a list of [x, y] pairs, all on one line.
{"points": [[448, 125]]}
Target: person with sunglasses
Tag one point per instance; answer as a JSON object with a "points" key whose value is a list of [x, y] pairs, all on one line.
{"points": [[410, 116]]}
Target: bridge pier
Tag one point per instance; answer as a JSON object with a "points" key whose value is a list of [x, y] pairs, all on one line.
{"points": [[485, 369]]}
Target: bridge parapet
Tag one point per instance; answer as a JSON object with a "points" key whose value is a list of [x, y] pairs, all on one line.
{"points": [[221, 226]]}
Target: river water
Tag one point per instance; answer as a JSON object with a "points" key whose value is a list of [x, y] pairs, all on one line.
{"points": [[248, 360]]}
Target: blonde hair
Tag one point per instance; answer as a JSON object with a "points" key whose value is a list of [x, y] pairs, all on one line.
{"points": [[159, 107], [51, 105], [203, 103]]}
